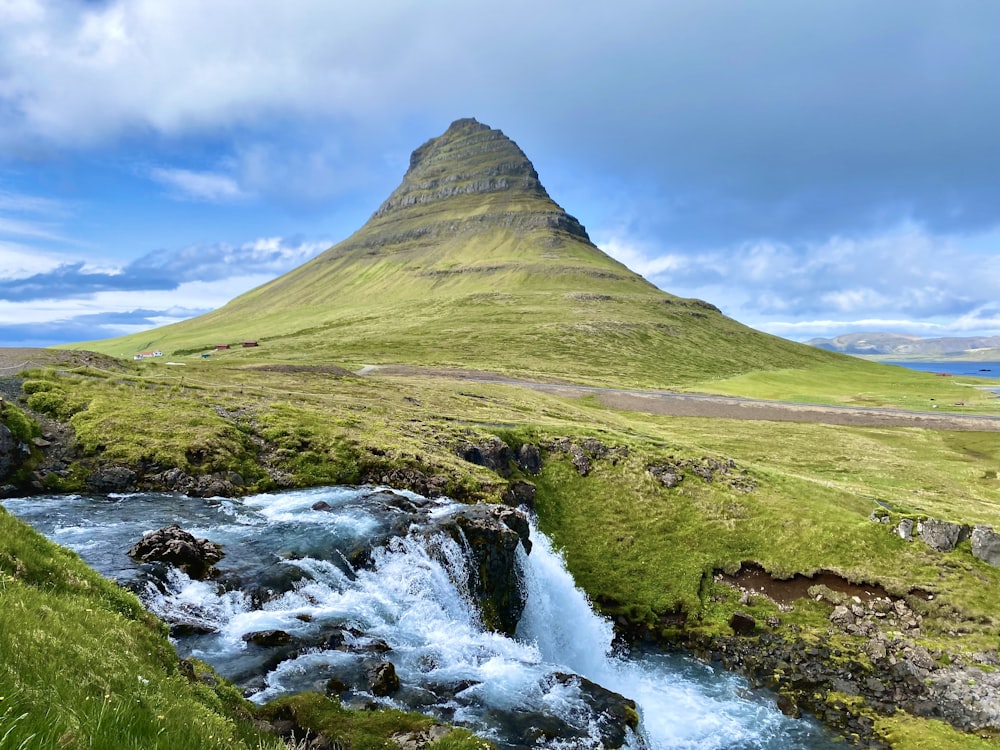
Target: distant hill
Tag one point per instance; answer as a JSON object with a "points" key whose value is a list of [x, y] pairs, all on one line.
{"points": [[902, 345], [470, 263]]}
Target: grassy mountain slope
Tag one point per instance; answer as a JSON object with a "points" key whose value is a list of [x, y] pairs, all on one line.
{"points": [[470, 263]]}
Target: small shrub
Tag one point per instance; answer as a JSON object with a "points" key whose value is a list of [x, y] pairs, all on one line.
{"points": [[37, 386], [22, 427], [57, 404]]}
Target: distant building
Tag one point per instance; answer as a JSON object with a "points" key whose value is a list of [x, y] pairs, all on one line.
{"points": [[220, 347], [248, 344]]}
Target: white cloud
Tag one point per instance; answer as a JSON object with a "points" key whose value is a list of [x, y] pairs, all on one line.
{"points": [[904, 279], [19, 203], [854, 300], [212, 187], [195, 296], [24, 228], [639, 256], [30, 216], [16, 12], [22, 261]]}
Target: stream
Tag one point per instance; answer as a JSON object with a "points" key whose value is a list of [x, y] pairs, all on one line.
{"points": [[292, 569]]}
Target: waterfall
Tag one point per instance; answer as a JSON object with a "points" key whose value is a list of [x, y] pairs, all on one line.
{"points": [[287, 571]]}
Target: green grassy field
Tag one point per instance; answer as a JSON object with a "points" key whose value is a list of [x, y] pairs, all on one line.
{"points": [[451, 274], [640, 550]]}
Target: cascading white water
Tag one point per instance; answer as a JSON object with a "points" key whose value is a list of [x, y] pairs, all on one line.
{"points": [[405, 607], [682, 711]]}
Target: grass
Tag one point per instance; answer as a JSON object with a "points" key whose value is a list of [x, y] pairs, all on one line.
{"points": [[364, 730], [905, 731], [82, 665], [642, 551]]}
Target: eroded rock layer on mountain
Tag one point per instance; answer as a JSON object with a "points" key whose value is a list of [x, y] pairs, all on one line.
{"points": [[471, 159]]}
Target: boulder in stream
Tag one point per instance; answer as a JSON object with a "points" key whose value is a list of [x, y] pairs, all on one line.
{"points": [[383, 679], [179, 548]]}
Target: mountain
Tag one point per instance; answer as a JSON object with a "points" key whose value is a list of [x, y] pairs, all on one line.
{"points": [[470, 263], [902, 345]]}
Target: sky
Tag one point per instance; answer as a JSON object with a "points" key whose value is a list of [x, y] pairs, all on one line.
{"points": [[811, 168]]}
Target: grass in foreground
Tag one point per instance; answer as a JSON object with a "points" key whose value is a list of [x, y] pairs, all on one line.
{"points": [[82, 665]]}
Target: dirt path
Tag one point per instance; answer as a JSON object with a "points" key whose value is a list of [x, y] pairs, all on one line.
{"points": [[672, 404], [666, 403]]}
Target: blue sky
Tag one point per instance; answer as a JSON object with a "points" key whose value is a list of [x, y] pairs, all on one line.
{"points": [[812, 168]]}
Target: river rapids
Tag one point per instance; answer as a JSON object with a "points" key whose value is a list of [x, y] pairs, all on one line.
{"points": [[291, 569]]}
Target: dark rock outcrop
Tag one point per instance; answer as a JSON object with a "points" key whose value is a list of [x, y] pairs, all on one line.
{"points": [[617, 717], [520, 494], [584, 453], [493, 453], [492, 534], [383, 679], [411, 478], [179, 548], [742, 623], [268, 638], [529, 459], [671, 471], [471, 159], [112, 478], [218, 484], [11, 453], [668, 476]]}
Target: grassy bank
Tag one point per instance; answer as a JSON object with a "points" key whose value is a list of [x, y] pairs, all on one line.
{"points": [[82, 665]]}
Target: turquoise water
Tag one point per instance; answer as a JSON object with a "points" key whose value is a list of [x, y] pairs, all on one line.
{"points": [[976, 369]]}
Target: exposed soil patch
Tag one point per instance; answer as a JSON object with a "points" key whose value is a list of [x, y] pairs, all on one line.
{"points": [[338, 372], [15, 360], [753, 578]]}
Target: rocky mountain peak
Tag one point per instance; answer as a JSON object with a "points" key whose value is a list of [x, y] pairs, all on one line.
{"points": [[473, 159]]}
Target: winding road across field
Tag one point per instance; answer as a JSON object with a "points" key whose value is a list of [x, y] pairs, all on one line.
{"points": [[673, 404], [666, 403]]}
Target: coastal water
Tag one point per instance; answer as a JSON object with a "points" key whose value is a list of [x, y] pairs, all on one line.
{"points": [[967, 369], [287, 568]]}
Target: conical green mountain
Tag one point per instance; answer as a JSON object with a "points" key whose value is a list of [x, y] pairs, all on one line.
{"points": [[469, 263]]}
